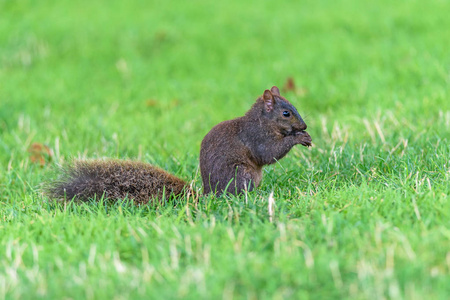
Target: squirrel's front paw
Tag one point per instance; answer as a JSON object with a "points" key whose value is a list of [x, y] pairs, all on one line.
{"points": [[303, 138]]}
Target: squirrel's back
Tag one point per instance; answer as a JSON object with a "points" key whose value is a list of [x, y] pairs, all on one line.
{"points": [[115, 179]]}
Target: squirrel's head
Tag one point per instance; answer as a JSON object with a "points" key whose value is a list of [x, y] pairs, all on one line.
{"points": [[282, 113]]}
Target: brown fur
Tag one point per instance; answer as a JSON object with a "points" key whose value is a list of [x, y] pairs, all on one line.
{"points": [[115, 179], [234, 152]]}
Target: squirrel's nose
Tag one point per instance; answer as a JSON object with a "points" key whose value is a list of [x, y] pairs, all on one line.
{"points": [[303, 126]]}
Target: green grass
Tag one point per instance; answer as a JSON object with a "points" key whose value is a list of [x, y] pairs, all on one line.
{"points": [[363, 214]]}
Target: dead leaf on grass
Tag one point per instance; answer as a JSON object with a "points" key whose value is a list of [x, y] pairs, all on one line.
{"points": [[40, 153]]}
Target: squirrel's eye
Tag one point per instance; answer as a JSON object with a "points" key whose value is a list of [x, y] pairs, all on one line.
{"points": [[286, 114]]}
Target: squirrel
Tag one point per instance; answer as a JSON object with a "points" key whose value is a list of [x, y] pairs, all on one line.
{"points": [[232, 155]]}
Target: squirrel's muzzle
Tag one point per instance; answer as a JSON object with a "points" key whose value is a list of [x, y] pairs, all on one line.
{"points": [[303, 126]]}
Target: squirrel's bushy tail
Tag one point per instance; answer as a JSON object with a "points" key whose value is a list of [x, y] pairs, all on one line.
{"points": [[114, 179]]}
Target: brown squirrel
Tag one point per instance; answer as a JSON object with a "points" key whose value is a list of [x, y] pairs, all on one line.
{"points": [[232, 155]]}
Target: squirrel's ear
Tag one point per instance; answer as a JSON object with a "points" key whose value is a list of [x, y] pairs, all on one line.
{"points": [[275, 91], [268, 100]]}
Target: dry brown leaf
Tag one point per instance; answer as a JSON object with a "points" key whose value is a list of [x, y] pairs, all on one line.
{"points": [[151, 103], [40, 153], [290, 86]]}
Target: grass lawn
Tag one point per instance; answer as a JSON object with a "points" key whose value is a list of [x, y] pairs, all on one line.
{"points": [[363, 214]]}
